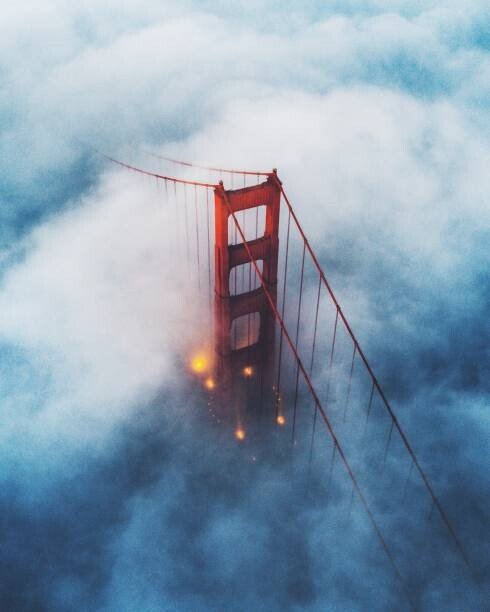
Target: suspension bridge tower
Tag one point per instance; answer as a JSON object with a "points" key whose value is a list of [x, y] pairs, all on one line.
{"points": [[244, 319]]}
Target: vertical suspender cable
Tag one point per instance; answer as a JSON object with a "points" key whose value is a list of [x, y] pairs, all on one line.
{"points": [[296, 340], [197, 241], [209, 262], [315, 325], [210, 286], [350, 381], [388, 442], [369, 405], [256, 280], [177, 216], [244, 220], [176, 237], [187, 229], [284, 287], [249, 289], [331, 356], [315, 411], [330, 473]]}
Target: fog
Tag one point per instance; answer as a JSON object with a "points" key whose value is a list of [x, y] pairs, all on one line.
{"points": [[118, 491]]}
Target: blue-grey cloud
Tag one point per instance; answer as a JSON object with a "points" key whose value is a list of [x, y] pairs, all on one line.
{"points": [[116, 493]]}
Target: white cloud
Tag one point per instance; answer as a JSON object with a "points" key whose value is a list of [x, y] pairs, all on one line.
{"points": [[99, 310], [376, 122]]}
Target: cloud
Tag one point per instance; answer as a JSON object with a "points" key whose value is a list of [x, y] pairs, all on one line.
{"points": [[117, 493], [93, 312]]}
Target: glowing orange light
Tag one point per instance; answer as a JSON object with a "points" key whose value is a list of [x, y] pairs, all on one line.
{"points": [[199, 364], [281, 420], [240, 434], [209, 383], [248, 371]]}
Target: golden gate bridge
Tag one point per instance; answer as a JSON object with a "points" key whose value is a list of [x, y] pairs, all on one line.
{"points": [[280, 353]]}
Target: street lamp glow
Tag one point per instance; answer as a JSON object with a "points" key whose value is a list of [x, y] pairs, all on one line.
{"points": [[199, 363], [240, 434]]}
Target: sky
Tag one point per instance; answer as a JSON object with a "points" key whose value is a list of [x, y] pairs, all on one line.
{"points": [[116, 492]]}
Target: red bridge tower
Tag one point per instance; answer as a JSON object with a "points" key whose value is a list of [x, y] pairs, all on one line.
{"points": [[241, 350]]}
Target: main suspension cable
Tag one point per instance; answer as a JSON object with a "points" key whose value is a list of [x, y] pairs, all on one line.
{"points": [[375, 381], [154, 174], [186, 164], [319, 407]]}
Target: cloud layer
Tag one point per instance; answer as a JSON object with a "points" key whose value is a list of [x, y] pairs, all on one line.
{"points": [[117, 493]]}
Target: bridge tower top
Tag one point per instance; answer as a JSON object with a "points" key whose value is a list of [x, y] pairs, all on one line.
{"points": [[244, 322]]}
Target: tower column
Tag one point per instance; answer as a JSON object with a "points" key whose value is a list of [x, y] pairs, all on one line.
{"points": [[256, 351]]}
